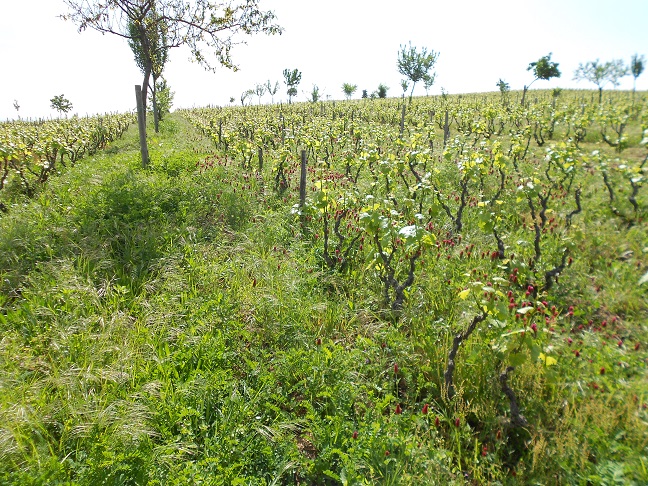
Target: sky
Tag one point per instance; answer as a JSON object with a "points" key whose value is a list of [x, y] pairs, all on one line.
{"points": [[330, 42]]}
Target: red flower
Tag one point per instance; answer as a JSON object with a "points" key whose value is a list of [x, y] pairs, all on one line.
{"points": [[398, 410], [395, 368], [355, 434], [425, 409], [436, 421], [602, 371], [457, 422]]}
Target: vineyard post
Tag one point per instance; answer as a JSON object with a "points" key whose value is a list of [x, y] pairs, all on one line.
{"points": [[260, 159], [446, 129], [402, 122], [302, 180], [141, 123]]}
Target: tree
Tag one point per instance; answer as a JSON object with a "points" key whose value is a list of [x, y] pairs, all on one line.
{"points": [[349, 89], [416, 66], [382, 91], [201, 25], [636, 68], [164, 98], [291, 80], [61, 104], [428, 81], [504, 89], [315, 94], [158, 52], [272, 90], [245, 95], [260, 91], [364, 94], [543, 69], [404, 85], [601, 73]]}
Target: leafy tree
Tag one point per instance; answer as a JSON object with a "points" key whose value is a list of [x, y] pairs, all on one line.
{"points": [[61, 104], [157, 50], [245, 95], [601, 73], [404, 86], [260, 91], [543, 69], [201, 25], [365, 94], [349, 89], [291, 80], [315, 94], [416, 66], [382, 91], [636, 68], [272, 90], [164, 98], [428, 81], [504, 89]]}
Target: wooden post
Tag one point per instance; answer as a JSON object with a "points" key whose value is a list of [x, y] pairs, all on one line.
{"points": [[446, 129], [302, 180], [141, 123], [260, 159], [402, 122], [220, 131]]}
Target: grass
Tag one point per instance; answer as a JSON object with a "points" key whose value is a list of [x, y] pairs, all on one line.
{"points": [[175, 325]]}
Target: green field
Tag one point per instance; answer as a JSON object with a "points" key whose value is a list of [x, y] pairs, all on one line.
{"points": [[456, 302]]}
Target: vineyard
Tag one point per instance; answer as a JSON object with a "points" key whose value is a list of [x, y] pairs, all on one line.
{"points": [[447, 291]]}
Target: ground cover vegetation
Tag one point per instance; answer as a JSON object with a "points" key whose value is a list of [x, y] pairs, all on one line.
{"points": [[460, 297]]}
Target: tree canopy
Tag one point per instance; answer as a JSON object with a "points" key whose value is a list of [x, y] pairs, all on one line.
{"points": [[416, 66], [601, 73], [209, 29]]}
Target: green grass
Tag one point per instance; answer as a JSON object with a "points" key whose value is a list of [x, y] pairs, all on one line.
{"points": [[175, 325]]}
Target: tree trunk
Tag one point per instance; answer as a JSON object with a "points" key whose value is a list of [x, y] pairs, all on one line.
{"points": [[145, 88], [524, 94], [156, 114]]}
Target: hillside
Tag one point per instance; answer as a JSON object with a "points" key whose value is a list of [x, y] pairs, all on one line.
{"points": [[191, 323]]}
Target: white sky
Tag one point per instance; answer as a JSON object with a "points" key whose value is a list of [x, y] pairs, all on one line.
{"points": [[330, 42]]}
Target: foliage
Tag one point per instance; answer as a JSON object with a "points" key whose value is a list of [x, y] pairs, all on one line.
{"points": [[349, 89], [189, 323], [292, 80], [416, 66], [164, 97], [154, 26], [61, 104], [601, 73], [543, 69], [381, 92]]}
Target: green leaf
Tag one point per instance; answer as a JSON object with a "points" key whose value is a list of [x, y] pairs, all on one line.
{"points": [[464, 294], [517, 359]]}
